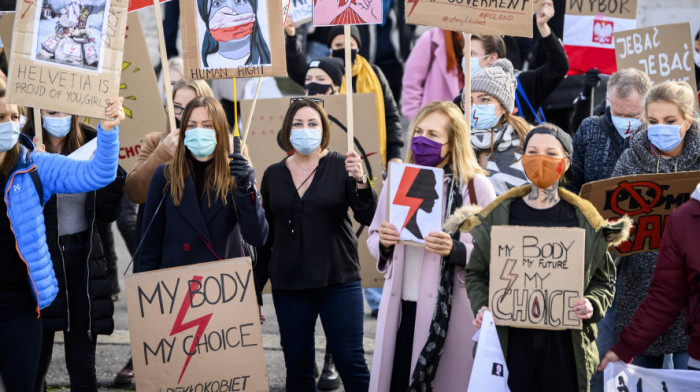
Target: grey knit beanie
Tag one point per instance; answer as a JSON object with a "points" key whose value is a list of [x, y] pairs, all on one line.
{"points": [[498, 81]]}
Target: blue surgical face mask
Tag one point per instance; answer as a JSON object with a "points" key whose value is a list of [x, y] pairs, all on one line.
{"points": [[626, 126], [200, 141], [57, 126], [9, 134], [305, 141], [474, 66], [484, 117], [665, 137]]}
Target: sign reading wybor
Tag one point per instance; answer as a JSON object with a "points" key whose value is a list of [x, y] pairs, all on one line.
{"points": [[648, 199], [536, 276], [493, 17], [196, 328]]}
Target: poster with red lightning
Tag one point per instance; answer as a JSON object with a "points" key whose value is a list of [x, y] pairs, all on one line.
{"points": [[415, 201], [196, 328]]}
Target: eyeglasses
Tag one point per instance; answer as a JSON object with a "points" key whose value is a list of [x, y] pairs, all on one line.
{"points": [[482, 101], [315, 100], [178, 109]]}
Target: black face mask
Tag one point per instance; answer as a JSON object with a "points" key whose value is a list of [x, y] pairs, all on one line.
{"points": [[177, 123], [318, 88], [340, 54]]}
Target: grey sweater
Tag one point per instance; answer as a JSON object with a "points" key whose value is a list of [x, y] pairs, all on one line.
{"points": [[634, 272]]}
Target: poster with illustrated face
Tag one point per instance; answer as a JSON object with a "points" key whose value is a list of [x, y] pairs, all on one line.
{"points": [[232, 38], [68, 32], [415, 200], [347, 12]]}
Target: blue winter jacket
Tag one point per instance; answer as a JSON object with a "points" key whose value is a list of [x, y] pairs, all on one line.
{"points": [[58, 174]]}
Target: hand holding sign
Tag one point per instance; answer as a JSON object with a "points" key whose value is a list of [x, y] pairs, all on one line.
{"points": [[388, 236], [610, 356], [439, 243], [115, 114], [353, 165], [480, 317], [543, 16]]}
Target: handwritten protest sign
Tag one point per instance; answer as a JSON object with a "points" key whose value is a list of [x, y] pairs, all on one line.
{"points": [[265, 149], [665, 52], [621, 377], [347, 12], [220, 42], [536, 276], [505, 17], [648, 199], [67, 57], [196, 328], [588, 32], [415, 201], [301, 11]]}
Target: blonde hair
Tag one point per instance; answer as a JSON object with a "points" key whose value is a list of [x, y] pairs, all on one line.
{"points": [[463, 160], [678, 93]]}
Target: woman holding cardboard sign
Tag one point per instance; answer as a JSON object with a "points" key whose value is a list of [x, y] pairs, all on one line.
{"points": [[546, 360], [415, 276], [28, 280], [311, 255]]}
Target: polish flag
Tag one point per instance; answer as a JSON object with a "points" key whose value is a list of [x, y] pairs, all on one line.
{"points": [[588, 42]]}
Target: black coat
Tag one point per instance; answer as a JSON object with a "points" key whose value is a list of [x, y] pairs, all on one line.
{"points": [[178, 235], [102, 205]]}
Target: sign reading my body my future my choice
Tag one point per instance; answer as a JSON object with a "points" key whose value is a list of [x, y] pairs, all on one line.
{"points": [[196, 328]]}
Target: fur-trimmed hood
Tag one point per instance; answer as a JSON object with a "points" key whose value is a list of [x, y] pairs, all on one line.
{"points": [[614, 232]]}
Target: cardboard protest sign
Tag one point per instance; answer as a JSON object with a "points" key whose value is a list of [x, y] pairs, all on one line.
{"points": [[415, 201], [265, 149], [221, 42], [142, 103], [512, 17], [588, 32], [620, 376], [347, 12], [646, 198], [66, 56], [196, 328], [300, 11], [665, 52], [536, 276], [6, 23], [135, 5]]}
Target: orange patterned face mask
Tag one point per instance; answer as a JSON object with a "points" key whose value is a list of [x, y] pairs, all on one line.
{"points": [[543, 170]]}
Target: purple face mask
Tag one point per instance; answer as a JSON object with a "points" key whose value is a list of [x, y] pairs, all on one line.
{"points": [[426, 152]]}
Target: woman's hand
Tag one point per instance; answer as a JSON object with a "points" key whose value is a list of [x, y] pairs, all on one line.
{"points": [[583, 309], [171, 141], [439, 243], [289, 27], [353, 165], [479, 317], [115, 114], [610, 356], [388, 236], [37, 147]]}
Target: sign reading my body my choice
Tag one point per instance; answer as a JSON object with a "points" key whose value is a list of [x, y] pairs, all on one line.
{"points": [[196, 328]]}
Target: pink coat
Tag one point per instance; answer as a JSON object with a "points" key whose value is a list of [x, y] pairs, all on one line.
{"points": [[456, 361], [425, 77]]}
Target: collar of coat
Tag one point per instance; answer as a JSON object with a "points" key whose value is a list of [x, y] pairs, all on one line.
{"points": [[614, 232]]}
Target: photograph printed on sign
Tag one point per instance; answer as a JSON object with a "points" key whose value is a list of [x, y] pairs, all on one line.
{"points": [[342, 12], [69, 32], [233, 33], [415, 194]]}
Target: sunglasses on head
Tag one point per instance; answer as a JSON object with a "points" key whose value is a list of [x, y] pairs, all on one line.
{"points": [[316, 100]]}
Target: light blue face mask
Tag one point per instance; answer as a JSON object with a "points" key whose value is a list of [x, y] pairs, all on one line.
{"points": [[57, 126], [626, 126], [484, 117], [305, 141], [474, 66], [200, 141], [666, 137], [9, 134]]}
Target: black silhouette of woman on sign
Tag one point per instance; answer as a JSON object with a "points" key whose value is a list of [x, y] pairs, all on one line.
{"points": [[423, 187]]}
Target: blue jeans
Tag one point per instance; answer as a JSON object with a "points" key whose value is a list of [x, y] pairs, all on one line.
{"points": [[605, 341], [341, 311], [674, 361], [373, 297]]}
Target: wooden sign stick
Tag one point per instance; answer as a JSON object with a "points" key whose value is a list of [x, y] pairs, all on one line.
{"points": [[165, 69], [252, 110], [38, 129], [348, 89], [467, 93]]}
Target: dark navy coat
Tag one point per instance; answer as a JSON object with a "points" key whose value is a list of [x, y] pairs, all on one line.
{"points": [[193, 232]]}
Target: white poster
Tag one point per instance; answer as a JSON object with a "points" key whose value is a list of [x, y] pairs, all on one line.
{"points": [[415, 200], [621, 377], [489, 372]]}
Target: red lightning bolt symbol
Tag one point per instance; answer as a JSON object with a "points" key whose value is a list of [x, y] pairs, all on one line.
{"points": [[415, 3], [475, 117], [409, 175], [200, 323], [510, 276]]}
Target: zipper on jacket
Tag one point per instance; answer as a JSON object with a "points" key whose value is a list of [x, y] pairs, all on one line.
{"points": [[92, 229], [63, 264]]}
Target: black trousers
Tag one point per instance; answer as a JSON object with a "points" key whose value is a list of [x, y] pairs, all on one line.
{"points": [[20, 338], [541, 361], [401, 370]]}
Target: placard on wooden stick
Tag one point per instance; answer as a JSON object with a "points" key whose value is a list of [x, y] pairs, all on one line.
{"points": [[67, 57], [665, 52], [219, 42], [196, 328], [473, 16], [536, 276]]}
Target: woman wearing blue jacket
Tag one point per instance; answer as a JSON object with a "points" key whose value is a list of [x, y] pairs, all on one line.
{"points": [[27, 280]]}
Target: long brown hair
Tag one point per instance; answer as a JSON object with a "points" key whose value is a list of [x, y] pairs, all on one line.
{"points": [[217, 175], [74, 138], [11, 155], [294, 107]]}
